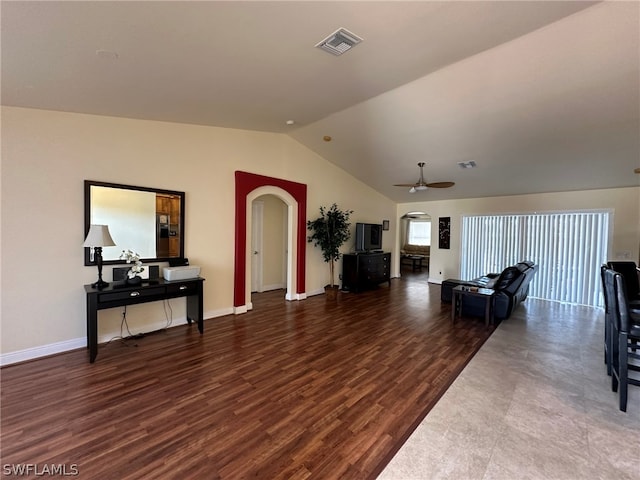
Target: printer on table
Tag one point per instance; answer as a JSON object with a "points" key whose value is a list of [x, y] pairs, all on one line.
{"points": [[179, 269]]}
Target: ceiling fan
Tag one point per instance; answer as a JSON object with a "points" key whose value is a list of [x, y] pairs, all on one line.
{"points": [[422, 185]]}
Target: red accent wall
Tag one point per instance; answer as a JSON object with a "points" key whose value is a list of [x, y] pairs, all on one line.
{"points": [[245, 184]]}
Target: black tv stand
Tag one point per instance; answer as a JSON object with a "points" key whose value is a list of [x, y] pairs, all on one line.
{"points": [[365, 270]]}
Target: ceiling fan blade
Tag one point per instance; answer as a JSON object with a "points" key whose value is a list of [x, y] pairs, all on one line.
{"points": [[440, 184], [421, 185], [637, 170]]}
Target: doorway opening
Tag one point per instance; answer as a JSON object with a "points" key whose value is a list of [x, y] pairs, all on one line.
{"points": [[415, 243], [269, 246]]}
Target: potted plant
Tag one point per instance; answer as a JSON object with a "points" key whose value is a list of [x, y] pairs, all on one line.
{"points": [[133, 277], [329, 232]]}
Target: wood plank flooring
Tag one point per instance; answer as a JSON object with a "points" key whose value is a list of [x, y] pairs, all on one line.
{"points": [[290, 390]]}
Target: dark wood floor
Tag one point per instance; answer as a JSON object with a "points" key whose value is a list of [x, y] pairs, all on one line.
{"points": [[305, 389]]}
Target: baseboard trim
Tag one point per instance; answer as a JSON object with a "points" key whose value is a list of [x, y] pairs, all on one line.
{"points": [[295, 296], [76, 343], [315, 292], [240, 309], [42, 351], [275, 286]]}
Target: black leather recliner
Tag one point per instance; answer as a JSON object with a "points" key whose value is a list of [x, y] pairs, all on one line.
{"points": [[511, 287]]}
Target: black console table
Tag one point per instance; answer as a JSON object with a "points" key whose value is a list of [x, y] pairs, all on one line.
{"points": [[118, 294]]}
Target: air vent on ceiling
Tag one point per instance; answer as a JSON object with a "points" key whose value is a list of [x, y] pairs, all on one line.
{"points": [[470, 164], [339, 41]]}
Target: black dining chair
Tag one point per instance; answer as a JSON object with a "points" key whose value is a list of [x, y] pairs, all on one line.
{"points": [[630, 273], [607, 320], [625, 337]]}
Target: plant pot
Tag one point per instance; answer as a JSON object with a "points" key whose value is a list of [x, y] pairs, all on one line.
{"points": [[133, 281], [331, 292]]}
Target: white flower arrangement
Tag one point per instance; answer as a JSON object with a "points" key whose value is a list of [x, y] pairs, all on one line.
{"points": [[132, 257]]}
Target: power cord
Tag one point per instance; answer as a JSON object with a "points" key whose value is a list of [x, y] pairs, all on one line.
{"points": [[168, 313], [124, 324], [166, 304]]}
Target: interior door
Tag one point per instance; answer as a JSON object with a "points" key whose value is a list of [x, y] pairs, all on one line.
{"points": [[257, 214]]}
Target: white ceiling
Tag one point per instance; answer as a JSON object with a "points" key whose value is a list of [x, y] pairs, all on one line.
{"points": [[542, 95]]}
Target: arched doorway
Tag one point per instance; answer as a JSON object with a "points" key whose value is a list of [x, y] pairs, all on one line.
{"points": [[414, 234], [250, 186]]}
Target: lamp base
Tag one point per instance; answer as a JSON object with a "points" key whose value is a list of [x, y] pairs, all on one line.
{"points": [[100, 284]]}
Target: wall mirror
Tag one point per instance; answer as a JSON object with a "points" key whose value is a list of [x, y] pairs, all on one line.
{"points": [[149, 221]]}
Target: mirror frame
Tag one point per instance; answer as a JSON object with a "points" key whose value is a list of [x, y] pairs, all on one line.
{"points": [[87, 218]]}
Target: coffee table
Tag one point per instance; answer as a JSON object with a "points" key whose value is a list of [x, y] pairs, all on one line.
{"points": [[461, 291], [416, 261]]}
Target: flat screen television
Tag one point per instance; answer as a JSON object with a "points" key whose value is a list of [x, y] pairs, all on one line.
{"points": [[368, 237]]}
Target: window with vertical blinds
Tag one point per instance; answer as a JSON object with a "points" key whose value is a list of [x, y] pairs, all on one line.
{"points": [[569, 248]]}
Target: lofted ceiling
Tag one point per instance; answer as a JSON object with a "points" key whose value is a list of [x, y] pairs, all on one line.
{"points": [[542, 95]]}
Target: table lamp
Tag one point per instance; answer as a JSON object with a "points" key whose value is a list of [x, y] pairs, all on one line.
{"points": [[97, 238]]}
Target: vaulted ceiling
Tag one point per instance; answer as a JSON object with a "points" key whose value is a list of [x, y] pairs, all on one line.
{"points": [[542, 95]]}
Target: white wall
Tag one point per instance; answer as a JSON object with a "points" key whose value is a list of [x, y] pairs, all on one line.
{"points": [[625, 202], [47, 155]]}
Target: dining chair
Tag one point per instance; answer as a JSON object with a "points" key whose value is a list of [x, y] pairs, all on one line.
{"points": [[630, 273], [607, 319], [625, 337]]}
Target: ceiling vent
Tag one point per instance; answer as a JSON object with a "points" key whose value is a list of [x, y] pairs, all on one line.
{"points": [[339, 42], [470, 164]]}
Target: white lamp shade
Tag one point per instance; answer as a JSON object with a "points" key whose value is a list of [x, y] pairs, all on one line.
{"points": [[98, 236]]}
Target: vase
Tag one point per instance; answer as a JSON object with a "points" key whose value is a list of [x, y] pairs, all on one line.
{"points": [[133, 280]]}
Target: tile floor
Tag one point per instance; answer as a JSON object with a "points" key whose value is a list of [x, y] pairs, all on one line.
{"points": [[534, 403]]}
